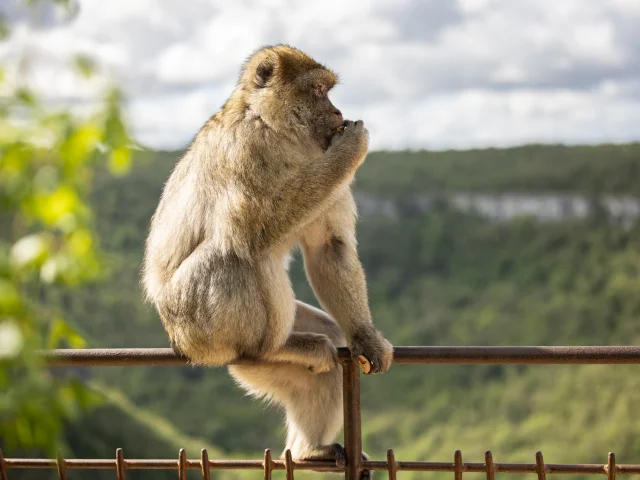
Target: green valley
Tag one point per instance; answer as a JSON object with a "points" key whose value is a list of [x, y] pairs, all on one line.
{"points": [[439, 276]]}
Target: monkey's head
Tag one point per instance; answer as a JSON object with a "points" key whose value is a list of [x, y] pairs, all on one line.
{"points": [[287, 87]]}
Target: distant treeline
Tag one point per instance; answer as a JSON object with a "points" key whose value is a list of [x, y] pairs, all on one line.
{"points": [[442, 277]]}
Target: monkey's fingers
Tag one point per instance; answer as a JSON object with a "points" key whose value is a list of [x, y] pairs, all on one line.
{"points": [[365, 365]]}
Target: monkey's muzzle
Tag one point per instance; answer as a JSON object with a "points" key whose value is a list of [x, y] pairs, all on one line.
{"points": [[340, 128]]}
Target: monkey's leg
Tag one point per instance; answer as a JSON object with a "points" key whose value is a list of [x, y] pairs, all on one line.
{"points": [[315, 351], [313, 402]]}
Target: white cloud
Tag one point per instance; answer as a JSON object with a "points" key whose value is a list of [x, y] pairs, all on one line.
{"points": [[421, 73], [490, 118]]}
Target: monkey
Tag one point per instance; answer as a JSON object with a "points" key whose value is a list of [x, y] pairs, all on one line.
{"points": [[271, 171]]}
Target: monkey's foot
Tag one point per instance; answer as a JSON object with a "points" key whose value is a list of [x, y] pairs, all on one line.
{"points": [[337, 453], [325, 354]]}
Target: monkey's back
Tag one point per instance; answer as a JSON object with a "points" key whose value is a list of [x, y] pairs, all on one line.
{"points": [[206, 211]]}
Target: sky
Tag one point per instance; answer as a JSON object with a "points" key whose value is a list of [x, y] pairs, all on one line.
{"points": [[433, 74]]}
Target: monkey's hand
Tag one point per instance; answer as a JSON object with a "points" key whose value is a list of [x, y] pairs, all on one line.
{"points": [[370, 344], [351, 143]]}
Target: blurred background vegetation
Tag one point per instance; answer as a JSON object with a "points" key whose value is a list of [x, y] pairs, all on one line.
{"points": [[48, 159], [437, 276], [72, 229]]}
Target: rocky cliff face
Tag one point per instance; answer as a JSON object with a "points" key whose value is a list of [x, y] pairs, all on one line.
{"points": [[505, 206]]}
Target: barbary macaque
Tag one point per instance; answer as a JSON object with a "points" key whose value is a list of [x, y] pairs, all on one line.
{"points": [[270, 171]]}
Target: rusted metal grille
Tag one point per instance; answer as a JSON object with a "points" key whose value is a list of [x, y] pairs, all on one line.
{"points": [[352, 422]]}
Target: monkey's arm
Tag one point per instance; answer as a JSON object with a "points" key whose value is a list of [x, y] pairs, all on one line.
{"points": [[338, 280], [296, 198]]}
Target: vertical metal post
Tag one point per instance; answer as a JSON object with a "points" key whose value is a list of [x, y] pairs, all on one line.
{"points": [[488, 463], [611, 466], [457, 463], [3, 467], [62, 466], [540, 468], [268, 464], [204, 462], [392, 466], [288, 464], [120, 466], [182, 464], [352, 431]]}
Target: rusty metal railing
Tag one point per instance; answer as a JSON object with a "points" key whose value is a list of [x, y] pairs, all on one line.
{"points": [[352, 422]]}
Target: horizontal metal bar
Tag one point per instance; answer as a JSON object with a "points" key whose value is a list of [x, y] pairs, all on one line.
{"points": [[502, 467], [111, 357], [402, 355], [529, 355], [143, 464], [324, 466]]}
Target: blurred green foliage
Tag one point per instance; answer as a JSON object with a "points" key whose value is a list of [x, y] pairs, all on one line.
{"points": [[437, 278], [47, 162]]}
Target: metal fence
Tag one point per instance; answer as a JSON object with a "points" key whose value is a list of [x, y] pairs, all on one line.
{"points": [[355, 465]]}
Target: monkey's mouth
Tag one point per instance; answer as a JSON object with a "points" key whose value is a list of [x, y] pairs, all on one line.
{"points": [[340, 128], [332, 132]]}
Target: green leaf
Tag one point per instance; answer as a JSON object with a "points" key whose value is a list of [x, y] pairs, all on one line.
{"points": [[9, 297], [120, 160], [53, 207], [81, 242], [26, 97], [76, 150], [61, 330], [85, 65]]}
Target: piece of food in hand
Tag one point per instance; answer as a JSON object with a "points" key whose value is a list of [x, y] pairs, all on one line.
{"points": [[364, 364]]}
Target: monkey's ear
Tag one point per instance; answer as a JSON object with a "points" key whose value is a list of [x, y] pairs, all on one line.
{"points": [[264, 72]]}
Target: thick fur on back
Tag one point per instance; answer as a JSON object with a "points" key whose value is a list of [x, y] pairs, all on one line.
{"points": [[223, 227], [215, 189]]}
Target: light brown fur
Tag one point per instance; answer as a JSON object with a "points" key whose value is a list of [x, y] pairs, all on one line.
{"points": [[266, 173]]}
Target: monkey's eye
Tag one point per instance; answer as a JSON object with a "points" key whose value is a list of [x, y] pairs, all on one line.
{"points": [[320, 90]]}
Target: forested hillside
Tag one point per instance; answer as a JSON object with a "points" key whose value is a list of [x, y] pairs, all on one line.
{"points": [[444, 277]]}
